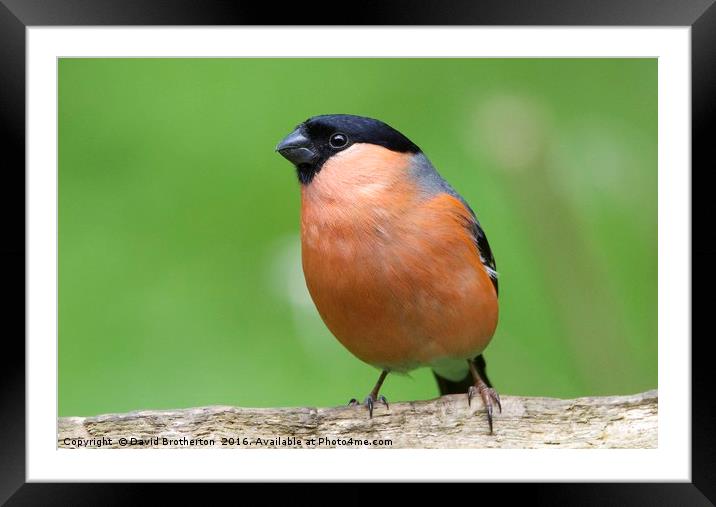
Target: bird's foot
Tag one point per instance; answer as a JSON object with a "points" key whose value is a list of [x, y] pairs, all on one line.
{"points": [[489, 398], [369, 403]]}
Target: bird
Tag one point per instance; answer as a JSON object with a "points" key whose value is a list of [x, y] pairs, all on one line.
{"points": [[394, 258]]}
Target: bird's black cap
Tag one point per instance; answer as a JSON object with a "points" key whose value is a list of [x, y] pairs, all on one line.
{"points": [[319, 138]]}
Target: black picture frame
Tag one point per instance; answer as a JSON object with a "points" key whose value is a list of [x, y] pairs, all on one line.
{"points": [[17, 15]]}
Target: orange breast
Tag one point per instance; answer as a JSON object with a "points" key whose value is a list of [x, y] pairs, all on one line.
{"points": [[395, 274]]}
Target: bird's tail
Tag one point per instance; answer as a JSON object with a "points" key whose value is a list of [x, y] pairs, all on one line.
{"points": [[461, 386]]}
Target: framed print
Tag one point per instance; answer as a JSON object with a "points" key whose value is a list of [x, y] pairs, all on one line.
{"points": [[475, 225]]}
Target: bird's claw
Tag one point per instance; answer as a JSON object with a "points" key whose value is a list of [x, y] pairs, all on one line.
{"points": [[489, 398], [369, 403], [382, 399]]}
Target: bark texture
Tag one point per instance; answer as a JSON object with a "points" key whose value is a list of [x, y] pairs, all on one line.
{"points": [[446, 422]]}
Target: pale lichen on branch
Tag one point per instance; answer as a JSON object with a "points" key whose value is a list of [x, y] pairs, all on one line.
{"points": [[628, 421]]}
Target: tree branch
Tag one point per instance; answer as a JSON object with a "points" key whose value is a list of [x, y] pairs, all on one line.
{"points": [[446, 422]]}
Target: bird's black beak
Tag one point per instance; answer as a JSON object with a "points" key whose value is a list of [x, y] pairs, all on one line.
{"points": [[297, 148]]}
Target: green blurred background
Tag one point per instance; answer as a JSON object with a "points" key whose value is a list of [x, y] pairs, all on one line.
{"points": [[179, 264]]}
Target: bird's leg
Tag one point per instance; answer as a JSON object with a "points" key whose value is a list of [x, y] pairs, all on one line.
{"points": [[373, 396], [488, 394]]}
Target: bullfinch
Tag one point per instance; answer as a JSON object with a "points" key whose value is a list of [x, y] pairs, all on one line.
{"points": [[394, 258]]}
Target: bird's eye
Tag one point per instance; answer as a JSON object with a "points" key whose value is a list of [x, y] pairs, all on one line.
{"points": [[338, 140]]}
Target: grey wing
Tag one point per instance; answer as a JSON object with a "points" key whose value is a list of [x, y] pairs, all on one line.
{"points": [[432, 183]]}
